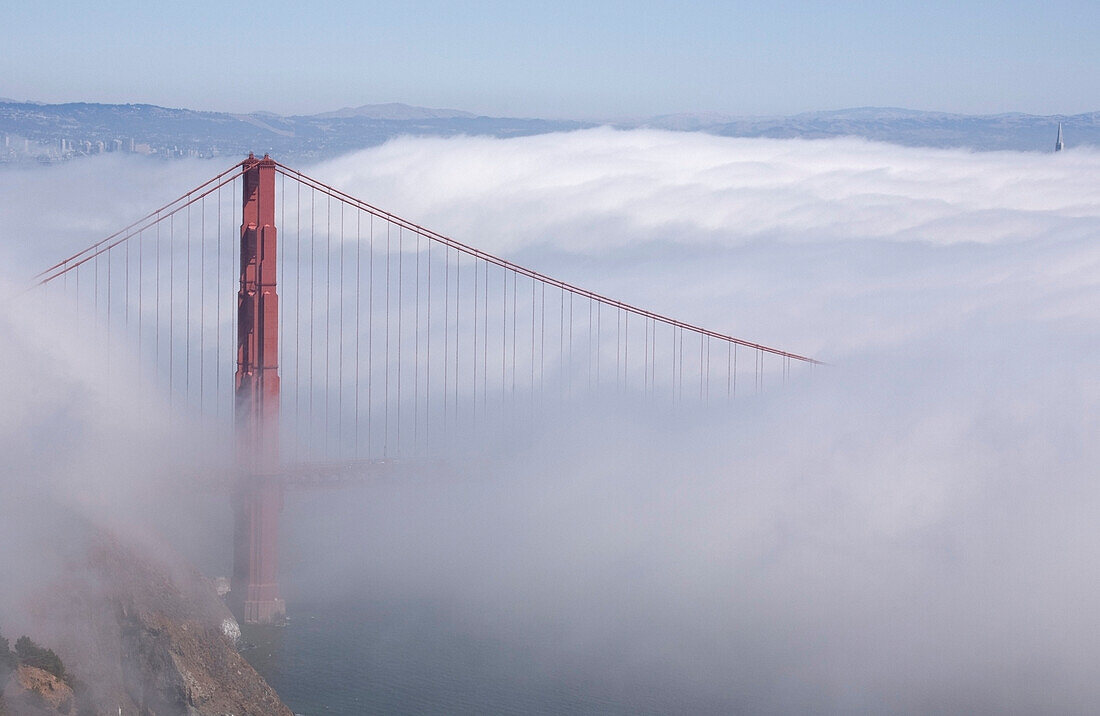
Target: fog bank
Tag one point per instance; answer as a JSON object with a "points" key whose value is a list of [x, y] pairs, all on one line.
{"points": [[909, 530]]}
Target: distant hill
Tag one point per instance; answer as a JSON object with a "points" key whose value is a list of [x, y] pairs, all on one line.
{"points": [[50, 132], [394, 110]]}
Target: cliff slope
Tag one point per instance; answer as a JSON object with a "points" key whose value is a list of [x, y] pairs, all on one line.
{"points": [[144, 635]]}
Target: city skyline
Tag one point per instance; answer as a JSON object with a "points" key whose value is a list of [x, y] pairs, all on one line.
{"points": [[44, 133]]}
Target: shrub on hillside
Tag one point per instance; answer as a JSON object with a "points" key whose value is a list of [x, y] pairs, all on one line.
{"points": [[32, 654], [7, 658]]}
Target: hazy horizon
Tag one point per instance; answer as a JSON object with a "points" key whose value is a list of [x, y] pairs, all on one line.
{"points": [[597, 119]]}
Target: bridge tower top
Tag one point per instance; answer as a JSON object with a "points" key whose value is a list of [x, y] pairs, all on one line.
{"points": [[259, 192]]}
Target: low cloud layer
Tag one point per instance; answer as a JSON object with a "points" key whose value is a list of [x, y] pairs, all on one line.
{"points": [[911, 530], [819, 246], [707, 190]]}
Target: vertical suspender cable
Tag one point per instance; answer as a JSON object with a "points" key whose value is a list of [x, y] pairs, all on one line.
{"points": [[708, 371], [458, 326], [386, 366], [281, 203], [674, 363], [485, 341], [534, 285], [702, 338], [358, 304], [312, 315], [618, 347], [561, 338], [599, 339], [126, 281], [156, 318], [171, 303], [340, 350], [570, 383], [428, 355], [515, 315], [370, 340], [416, 353], [542, 341], [297, 316], [653, 362], [141, 285], [729, 367], [202, 303], [328, 317], [446, 330], [591, 349], [108, 337], [681, 377], [473, 358], [400, 336], [626, 352], [187, 312]]}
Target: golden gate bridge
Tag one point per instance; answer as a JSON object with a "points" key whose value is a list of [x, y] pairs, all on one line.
{"points": [[359, 341]]}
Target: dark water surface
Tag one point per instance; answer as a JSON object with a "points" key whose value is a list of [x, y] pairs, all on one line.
{"points": [[375, 628], [374, 657]]}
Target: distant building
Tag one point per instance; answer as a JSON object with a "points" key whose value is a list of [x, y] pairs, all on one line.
{"points": [[1058, 143]]}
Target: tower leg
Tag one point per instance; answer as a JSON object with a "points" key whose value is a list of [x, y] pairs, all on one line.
{"points": [[256, 567], [258, 498]]}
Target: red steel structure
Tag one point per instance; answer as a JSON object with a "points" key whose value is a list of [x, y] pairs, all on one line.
{"points": [[360, 286], [258, 496]]}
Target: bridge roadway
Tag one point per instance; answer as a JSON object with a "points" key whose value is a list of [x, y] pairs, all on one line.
{"points": [[341, 474], [316, 475]]}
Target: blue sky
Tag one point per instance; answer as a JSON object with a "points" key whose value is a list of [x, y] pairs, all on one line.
{"points": [[559, 59]]}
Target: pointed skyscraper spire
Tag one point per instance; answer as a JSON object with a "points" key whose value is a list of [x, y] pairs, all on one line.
{"points": [[1058, 144]]}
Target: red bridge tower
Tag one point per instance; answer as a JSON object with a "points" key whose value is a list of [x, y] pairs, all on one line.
{"points": [[258, 497]]}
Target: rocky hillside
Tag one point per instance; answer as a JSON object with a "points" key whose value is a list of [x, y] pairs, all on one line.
{"points": [[138, 635], [31, 691]]}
